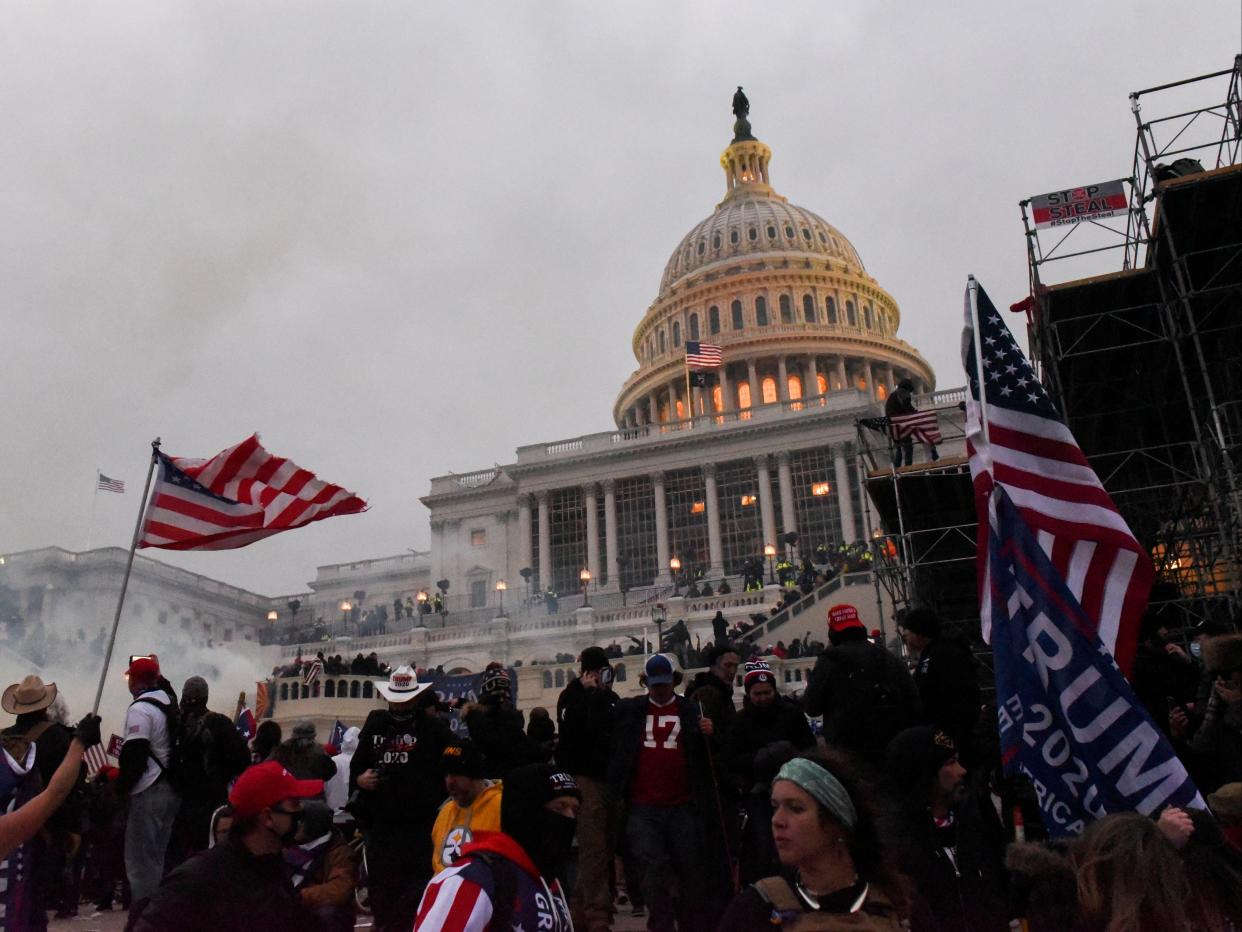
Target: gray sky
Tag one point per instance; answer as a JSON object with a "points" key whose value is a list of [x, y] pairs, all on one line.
{"points": [[398, 239]]}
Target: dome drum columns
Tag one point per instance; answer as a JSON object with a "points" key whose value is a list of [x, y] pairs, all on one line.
{"points": [[794, 377]]}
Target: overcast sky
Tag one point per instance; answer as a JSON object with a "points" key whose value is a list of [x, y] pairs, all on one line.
{"points": [[399, 239]]}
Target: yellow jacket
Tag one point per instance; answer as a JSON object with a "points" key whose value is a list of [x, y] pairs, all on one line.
{"points": [[455, 826]]}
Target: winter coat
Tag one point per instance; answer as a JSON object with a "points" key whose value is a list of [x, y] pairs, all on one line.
{"points": [[462, 898], [225, 887], [332, 878], [501, 735], [754, 729], [304, 759], [456, 826], [407, 756], [716, 698], [586, 718], [948, 687]]}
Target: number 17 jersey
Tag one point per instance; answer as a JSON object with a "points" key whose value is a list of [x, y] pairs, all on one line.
{"points": [[661, 773]]}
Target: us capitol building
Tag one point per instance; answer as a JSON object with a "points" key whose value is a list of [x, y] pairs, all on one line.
{"points": [[700, 479]]}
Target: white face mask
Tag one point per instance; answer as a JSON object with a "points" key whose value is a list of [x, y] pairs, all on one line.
{"points": [[1196, 649]]}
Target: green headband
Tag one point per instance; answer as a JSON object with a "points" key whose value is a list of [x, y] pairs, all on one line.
{"points": [[823, 786]]}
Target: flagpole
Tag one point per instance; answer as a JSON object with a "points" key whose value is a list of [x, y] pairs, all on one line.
{"points": [[689, 398], [90, 528], [972, 288], [129, 565]]}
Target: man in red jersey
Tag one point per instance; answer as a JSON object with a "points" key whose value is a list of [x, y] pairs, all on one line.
{"points": [[662, 771]]}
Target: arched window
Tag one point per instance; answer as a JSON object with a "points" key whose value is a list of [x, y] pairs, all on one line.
{"points": [[305, 691], [771, 232], [733, 237], [743, 395], [619, 673], [881, 392], [768, 387], [676, 334], [367, 691], [752, 234], [355, 689], [761, 311], [315, 689], [342, 689], [795, 386], [694, 327], [735, 311], [713, 320], [808, 308], [822, 382], [716, 241], [660, 341], [681, 410], [284, 691], [851, 315], [329, 689], [786, 309], [832, 311], [560, 678], [547, 679], [868, 318]]}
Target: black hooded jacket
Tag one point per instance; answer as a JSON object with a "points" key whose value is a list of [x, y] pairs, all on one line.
{"points": [[587, 718]]}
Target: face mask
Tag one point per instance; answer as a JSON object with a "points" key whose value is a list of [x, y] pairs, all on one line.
{"points": [[295, 822], [1196, 649]]}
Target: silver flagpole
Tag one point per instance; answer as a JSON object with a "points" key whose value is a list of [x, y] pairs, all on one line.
{"points": [[972, 288], [90, 528], [129, 565]]}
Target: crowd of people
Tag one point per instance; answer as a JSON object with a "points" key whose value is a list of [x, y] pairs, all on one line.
{"points": [[875, 800]]}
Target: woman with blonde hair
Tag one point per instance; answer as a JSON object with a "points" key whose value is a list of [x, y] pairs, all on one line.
{"points": [[1130, 877]]}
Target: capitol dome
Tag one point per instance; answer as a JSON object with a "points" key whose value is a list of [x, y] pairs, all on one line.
{"points": [[782, 293]]}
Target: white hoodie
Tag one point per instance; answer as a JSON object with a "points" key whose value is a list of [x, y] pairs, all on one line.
{"points": [[336, 790]]}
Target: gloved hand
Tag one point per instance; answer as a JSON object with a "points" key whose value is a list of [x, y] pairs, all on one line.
{"points": [[87, 731]]}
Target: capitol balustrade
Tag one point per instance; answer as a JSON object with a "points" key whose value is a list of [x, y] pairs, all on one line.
{"points": [[349, 698], [608, 621]]}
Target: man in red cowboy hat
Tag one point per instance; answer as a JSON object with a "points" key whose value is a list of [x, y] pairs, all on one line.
{"points": [[242, 884], [145, 758], [397, 789]]}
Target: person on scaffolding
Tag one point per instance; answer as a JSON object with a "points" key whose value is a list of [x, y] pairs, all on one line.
{"points": [[900, 402]]}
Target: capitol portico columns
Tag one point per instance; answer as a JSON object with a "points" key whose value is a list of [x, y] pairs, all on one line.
{"points": [[592, 530], [782, 379], [714, 549], [811, 388], [545, 541], [753, 380], [766, 511], [722, 375], [610, 535], [661, 523], [785, 479], [842, 376], [845, 499], [524, 530]]}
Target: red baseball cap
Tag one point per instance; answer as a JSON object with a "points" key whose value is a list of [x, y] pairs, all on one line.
{"points": [[842, 617], [266, 784], [146, 666]]}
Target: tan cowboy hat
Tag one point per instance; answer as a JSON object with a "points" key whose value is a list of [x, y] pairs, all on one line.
{"points": [[30, 695]]}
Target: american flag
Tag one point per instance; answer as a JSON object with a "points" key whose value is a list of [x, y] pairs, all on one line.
{"points": [[105, 484], [96, 760], [703, 355], [923, 426], [1034, 457], [240, 495], [313, 669]]}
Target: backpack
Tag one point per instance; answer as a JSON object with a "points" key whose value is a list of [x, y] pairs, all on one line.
{"points": [[867, 709], [175, 770]]}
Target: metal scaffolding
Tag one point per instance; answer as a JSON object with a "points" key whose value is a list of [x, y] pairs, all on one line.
{"points": [[1144, 362]]}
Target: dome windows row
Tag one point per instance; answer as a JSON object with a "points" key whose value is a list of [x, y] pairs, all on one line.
{"points": [[752, 235], [663, 340]]}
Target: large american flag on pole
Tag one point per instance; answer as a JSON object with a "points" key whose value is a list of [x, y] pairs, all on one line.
{"points": [[1032, 454], [240, 495]]}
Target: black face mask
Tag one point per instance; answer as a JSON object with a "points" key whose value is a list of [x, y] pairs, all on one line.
{"points": [[546, 837], [295, 822]]}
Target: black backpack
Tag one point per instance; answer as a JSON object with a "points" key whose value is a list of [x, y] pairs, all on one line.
{"points": [[174, 771], [867, 710]]}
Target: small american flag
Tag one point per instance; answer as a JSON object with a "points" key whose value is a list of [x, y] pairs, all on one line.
{"points": [[96, 760], [312, 671], [240, 495], [703, 355], [1034, 457], [106, 484]]}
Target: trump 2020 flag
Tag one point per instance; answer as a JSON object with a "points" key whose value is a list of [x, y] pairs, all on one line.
{"points": [[1068, 719], [240, 495]]}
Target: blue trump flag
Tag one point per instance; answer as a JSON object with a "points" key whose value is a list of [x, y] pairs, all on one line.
{"points": [[1068, 719]]}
